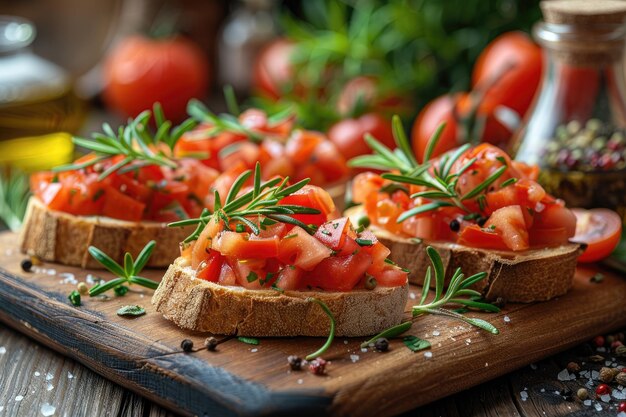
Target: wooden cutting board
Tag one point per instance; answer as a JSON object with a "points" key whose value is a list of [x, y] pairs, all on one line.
{"points": [[143, 354]]}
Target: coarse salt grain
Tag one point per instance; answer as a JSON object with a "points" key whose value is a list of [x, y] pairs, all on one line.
{"points": [[412, 296], [70, 375], [363, 350], [68, 278], [3, 350], [354, 358], [51, 272], [49, 376], [565, 375], [598, 406], [533, 366], [486, 364], [19, 398], [428, 355], [543, 390], [345, 342], [507, 319], [37, 373], [49, 387], [436, 333], [523, 395], [621, 414], [619, 395], [601, 349], [48, 410], [300, 381], [606, 398], [587, 402], [254, 350], [1, 407]]}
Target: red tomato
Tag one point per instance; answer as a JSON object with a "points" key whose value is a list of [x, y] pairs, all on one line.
{"points": [[273, 70], [313, 197], [348, 134], [121, 206], [339, 273], [290, 278], [211, 267], [141, 71], [202, 246], [524, 192], [509, 223], [391, 276], [513, 63], [227, 275], [245, 246], [327, 161], [600, 229], [333, 234], [302, 250], [476, 237], [364, 91]]}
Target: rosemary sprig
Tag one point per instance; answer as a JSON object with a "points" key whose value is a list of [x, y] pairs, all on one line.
{"points": [[261, 200], [126, 274], [440, 182], [14, 193], [331, 333], [457, 293], [135, 142]]}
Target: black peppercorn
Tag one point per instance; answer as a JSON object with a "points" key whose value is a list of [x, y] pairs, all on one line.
{"points": [[27, 265], [295, 362], [211, 343], [381, 344], [455, 226], [186, 345], [481, 221]]}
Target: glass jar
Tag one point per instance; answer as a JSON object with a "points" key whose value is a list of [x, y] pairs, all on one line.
{"points": [[36, 95], [576, 131]]}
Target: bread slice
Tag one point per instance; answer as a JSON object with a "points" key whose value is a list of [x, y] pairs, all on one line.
{"points": [[200, 305], [59, 237], [527, 276]]}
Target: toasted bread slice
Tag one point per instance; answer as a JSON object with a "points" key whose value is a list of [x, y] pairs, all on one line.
{"points": [[200, 305], [64, 238], [526, 276]]}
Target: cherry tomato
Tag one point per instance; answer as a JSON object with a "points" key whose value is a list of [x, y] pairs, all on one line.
{"points": [[364, 91], [141, 71], [273, 70], [513, 63], [348, 134], [600, 229]]}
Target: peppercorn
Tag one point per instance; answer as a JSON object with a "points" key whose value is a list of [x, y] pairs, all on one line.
{"points": [[603, 389], [598, 341], [609, 339], [481, 220], [210, 343], [573, 367], [582, 394], [295, 362], [607, 374], [621, 408], [27, 265], [83, 289], [381, 344], [318, 366], [455, 225], [621, 378], [186, 345]]}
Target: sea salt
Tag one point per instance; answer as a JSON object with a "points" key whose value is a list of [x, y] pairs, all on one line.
{"points": [[428, 355], [1, 407], [68, 278], [486, 364], [69, 375], [90, 279], [523, 395], [48, 410], [19, 398], [587, 402], [598, 406], [601, 349], [363, 350], [507, 319], [412, 296], [255, 350], [436, 333], [345, 342], [543, 390], [49, 376], [621, 414], [533, 366], [49, 387], [300, 381], [595, 374], [564, 375], [37, 373], [354, 358], [51, 271], [619, 395], [606, 398], [3, 350]]}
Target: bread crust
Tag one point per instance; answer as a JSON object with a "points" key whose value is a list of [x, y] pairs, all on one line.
{"points": [[200, 305], [64, 238], [527, 276]]}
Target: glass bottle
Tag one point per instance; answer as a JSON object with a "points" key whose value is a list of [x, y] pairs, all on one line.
{"points": [[576, 131], [36, 95]]}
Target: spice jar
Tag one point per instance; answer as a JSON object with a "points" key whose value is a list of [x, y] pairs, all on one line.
{"points": [[576, 131]]}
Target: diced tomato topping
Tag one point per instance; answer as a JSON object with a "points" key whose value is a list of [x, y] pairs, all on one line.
{"points": [[390, 276], [333, 233], [210, 268], [120, 206], [477, 237], [312, 197], [339, 273], [245, 246], [509, 223], [290, 278], [302, 250]]}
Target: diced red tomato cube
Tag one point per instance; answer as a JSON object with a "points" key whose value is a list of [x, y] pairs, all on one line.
{"points": [[302, 250]]}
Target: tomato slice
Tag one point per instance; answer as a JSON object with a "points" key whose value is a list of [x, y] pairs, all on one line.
{"points": [[313, 197], [339, 273], [245, 246], [333, 233], [121, 206], [290, 278], [600, 229], [509, 223], [390, 276], [210, 268]]}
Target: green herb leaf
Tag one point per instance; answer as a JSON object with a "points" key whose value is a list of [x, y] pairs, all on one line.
{"points": [[249, 340], [131, 310], [106, 261], [389, 333], [415, 344], [331, 334], [74, 298]]}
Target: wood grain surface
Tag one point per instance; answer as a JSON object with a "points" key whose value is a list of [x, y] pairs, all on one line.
{"points": [[142, 354]]}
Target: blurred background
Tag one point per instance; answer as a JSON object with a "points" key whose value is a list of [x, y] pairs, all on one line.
{"points": [[68, 65]]}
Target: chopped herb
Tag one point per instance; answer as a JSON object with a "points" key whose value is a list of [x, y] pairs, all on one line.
{"points": [[249, 340], [364, 242], [390, 332], [98, 194], [291, 236], [508, 182], [252, 276], [364, 221], [74, 298], [131, 311], [121, 290], [415, 343], [502, 159], [492, 227], [335, 226], [240, 228], [276, 288], [326, 232], [354, 252], [597, 278], [416, 240], [389, 261]]}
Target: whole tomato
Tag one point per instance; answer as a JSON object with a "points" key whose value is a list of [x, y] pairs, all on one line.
{"points": [[464, 116], [273, 69], [510, 67], [141, 71], [348, 134], [365, 91]]}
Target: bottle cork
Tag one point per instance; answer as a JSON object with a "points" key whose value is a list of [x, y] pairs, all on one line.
{"points": [[589, 33]]}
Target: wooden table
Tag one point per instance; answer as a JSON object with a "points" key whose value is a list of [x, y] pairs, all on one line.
{"points": [[33, 376]]}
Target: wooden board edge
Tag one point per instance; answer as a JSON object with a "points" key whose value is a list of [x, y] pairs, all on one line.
{"points": [[176, 381]]}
